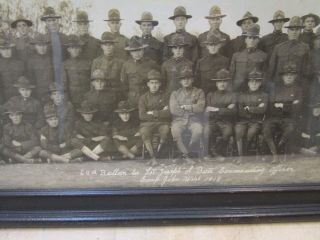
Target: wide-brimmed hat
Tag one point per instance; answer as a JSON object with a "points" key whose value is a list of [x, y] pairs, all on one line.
{"points": [[49, 111], [180, 11], [290, 67], [113, 15], [177, 40], [212, 39], [74, 41], [154, 75], [107, 37], [185, 73], [21, 19], [135, 43], [295, 22], [86, 107], [222, 75], [82, 16], [12, 108], [23, 82], [40, 39], [147, 17], [253, 31], [279, 16], [97, 74], [215, 12], [316, 18], [5, 43], [49, 12], [53, 87], [255, 74], [247, 15], [124, 107]]}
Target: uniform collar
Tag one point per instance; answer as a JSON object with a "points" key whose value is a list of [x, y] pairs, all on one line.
{"points": [[277, 31], [181, 31], [149, 36], [251, 50]]}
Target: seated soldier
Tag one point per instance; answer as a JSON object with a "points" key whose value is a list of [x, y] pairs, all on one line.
{"points": [[154, 114], [285, 108], [125, 132], [20, 143], [91, 136], [32, 109], [220, 113], [252, 106], [55, 140], [100, 97], [186, 106]]}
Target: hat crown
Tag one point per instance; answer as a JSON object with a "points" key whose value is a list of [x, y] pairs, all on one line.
{"points": [[180, 10], [278, 15], [54, 87], [177, 39], [12, 108], [49, 111], [23, 82], [114, 14], [295, 22], [223, 74], [254, 30], [186, 73], [215, 11], [147, 16], [41, 38], [86, 107], [107, 36], [255, 74], [135, 42], [247, 15], [124, 105], [82, 16], [73, 39], [97, 74], [49, 11], [153, 75], [289, 67], [213, 39]]}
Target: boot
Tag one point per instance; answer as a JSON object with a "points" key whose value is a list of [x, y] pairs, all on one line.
{"points": [[86, 151], [98, 150], [58, 159]]}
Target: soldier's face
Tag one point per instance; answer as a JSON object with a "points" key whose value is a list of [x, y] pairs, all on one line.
{"points": [[289, 78], [125, 117], [186, 82], [114, 26], [246, 24], [52, 24], [87, 116], [316, 112], [6, 52], [215, 23], [254, 85], [213, 48], [53, 122], [252, 42], [180, 23], [294, 33], [177, 51], [16, 118], [146, 28], [278, 25], [25, 92], [309, 23], [222, 85], [137, 55], [154, 85], [83, 28], [98, 84], [74, 51], [107, 48], [57, 97], [41, 49], [22, 28]]}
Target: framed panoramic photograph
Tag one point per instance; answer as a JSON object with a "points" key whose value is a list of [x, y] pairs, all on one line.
{"points": [[159, 112]]}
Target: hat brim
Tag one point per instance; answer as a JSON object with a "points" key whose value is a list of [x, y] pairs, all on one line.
{"points": [[182, 15], [8, 112], [79, 21], [107, 41], [87, 111], [80, 45], [111, 20], [297, 26], [184, 77], [21, 86], [280, 20], [214, 43], [220, 79], [138, 48], [14, 24], [284, 72], [213, 17], [43, 18], [124, 110], [316, 17], [254, 19], [178, 45], [250, 35], [51, 115], [11, 45], [154, 23], [42, 43]]}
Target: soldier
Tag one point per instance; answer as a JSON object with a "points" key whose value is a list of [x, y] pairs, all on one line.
{"points": [[31, 107], [211, 63], [125, 132], [10, 70], [40, 67], [100, 97], [114, 23], [55, 140], [310, 21], [154, 114], [110, 64], [245, 61], [154, 50], [134, 71], [315, 53], [215, 21], [220, 113], [23, 37], [238, 44], [91, 45], [180, 19], [19, 140], [76, 71], [252, 107], [285, 108], [91, 136], [269, 41], [186, 106], [172, 67]]}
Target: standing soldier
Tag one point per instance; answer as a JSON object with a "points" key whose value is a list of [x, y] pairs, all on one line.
{"points": [[154, 50], [211, 63], [269, 41], [154, 114], [76, 71], [114, 23], [245, 61], [186, 106], [172, 67], [110, 64], [91, 46], [238, 44], [310, 21], [10, 69], [215, 20], [135, 70], [40, 67], [180, 19]]}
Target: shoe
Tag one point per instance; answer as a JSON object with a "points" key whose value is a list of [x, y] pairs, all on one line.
{"points": [[186, 158]]}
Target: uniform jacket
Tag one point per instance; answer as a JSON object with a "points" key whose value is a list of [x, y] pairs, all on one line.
{"points": [[91, 129], [203, 37], [125, 129], [23, 47], [154, 50], [252, 100], [63, 39], [235, 45], [308, 37], [91, 48]]}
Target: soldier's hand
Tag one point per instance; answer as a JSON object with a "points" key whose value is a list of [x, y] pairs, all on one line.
{"points": [[232, 105], [295, 102], [137, 134], [246, 108], [63, 145], [165, 108], [98, 139], [121, 138], [278, 105], [261, 105], [16, 143], [188, 107], [79, 136], [150, 112], [67, 156]]}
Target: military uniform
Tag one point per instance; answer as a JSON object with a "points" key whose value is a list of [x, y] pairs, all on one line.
{"points": [[308, 36]]}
